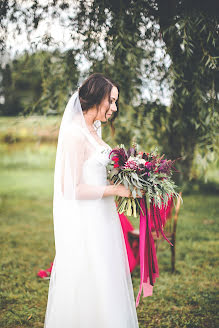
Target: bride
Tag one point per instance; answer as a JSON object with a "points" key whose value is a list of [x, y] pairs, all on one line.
{"points": [[90, 283]]}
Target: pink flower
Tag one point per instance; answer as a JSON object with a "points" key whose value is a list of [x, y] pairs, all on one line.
{"points": [[42, 274], [116, 165], [115, 159], [148, 165], [131, 165], [140, 153]]}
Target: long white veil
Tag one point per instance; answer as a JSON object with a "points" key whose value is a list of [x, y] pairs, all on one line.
{"points": [[72, 126], [75, 146]]}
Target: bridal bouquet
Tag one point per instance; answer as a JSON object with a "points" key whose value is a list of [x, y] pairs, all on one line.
{"points": [[143, 173], [148, 176]]}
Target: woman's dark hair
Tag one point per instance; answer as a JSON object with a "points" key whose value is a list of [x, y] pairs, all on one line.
{"points": [[94, 89]]}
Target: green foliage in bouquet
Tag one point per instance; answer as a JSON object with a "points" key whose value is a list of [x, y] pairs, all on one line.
{"points": [[145, 174]]}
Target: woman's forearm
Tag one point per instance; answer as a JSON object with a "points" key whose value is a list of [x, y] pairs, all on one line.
{"points": [[85, 191]]}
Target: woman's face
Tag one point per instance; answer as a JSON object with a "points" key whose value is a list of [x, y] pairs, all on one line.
{"points": [[106, 109]]}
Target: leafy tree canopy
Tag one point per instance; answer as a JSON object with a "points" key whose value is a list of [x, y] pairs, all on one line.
{"points": [[121, 39]]}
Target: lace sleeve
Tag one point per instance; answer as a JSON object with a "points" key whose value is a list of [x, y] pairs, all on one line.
{"points": [[74, 156]]}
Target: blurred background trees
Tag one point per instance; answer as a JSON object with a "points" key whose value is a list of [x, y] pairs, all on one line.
{"points": [[21, 84], [163, 54]]}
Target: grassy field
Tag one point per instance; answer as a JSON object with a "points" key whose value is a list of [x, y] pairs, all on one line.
{"points": [[187, 298]]}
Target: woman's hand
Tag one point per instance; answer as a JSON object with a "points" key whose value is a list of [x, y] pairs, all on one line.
{"points": [[122, 191], [119, 190]]}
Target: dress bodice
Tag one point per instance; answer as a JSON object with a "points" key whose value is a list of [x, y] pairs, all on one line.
{"points": [[94, 167]]}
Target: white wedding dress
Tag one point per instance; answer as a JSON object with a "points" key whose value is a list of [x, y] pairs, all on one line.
{"points": [[90, 284]]}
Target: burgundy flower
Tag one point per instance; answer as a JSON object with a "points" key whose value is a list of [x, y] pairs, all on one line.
{"points": [[132, 152], [166, 166], [141, 168], [148, 165], [121, 154]]}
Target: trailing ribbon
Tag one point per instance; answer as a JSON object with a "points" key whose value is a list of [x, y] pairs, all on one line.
{"points": [[148, 259], [165, 213]]}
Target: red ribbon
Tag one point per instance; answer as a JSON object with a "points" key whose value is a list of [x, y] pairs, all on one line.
{"points": [[148, 259]]}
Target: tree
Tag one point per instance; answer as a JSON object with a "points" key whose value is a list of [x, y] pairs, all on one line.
{"points": [[120, 38], [38, 83], [192, 44], [21, 84], [189, 33], [60, 76]]}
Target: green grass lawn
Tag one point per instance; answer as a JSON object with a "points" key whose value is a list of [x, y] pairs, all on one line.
{"points": [[186, 298]]}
